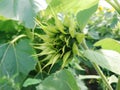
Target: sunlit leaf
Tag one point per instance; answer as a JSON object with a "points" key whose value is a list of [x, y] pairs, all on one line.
{"points": [[80, 8], [72, 6], [113, 79], [105, 58], [109, 43], [22, 10], [84, 15]]}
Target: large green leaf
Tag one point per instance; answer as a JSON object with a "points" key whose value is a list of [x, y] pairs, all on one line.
{"points": [[84, 15], [61, 80], [109, 43], [80, 8], [72, 6], [105, 58], [16, 62], [23, 10]]}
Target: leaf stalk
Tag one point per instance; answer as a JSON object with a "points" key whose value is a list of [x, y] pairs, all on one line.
{"points": [[18, 37]]}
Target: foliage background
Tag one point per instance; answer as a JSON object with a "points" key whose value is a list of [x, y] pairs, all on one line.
{"points": [[21, 36]]}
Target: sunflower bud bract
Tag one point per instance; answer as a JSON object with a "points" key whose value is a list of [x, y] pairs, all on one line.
{"points": [[60, 40]]}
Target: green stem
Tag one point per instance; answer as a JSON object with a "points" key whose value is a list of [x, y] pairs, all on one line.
{"points": [[97, 68], [18, 37], [99, 71], [118, 84], [114, 6], [117, 3]]}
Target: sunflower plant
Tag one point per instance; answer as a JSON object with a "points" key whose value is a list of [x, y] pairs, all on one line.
{"points": [[64, 38], [51, 50], [60, 40]]}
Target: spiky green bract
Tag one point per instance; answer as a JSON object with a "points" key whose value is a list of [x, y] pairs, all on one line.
{"points": [[60, 41]]}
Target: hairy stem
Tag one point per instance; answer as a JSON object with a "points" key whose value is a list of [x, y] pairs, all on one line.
{"points": [[97, 68], [99, 71]]}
